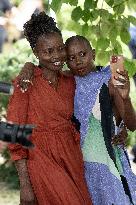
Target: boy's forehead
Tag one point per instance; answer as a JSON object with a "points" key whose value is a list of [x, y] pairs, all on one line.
{"points": [[77, 45]]}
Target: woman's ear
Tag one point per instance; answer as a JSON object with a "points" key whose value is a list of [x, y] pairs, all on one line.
{"points": [[93, 52]]}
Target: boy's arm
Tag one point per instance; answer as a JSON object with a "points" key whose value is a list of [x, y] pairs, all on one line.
{"points": [[122, 105]]}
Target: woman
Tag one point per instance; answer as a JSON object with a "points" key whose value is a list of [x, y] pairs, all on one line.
{"points": [[52, 172]]}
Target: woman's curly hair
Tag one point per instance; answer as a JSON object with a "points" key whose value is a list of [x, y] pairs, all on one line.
{"points": [[38, 25]]}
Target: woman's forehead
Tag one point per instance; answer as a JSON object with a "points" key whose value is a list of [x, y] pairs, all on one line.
{"points": [[50, 40]]}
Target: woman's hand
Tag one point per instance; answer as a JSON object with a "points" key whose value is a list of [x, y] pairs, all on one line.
{"points": [[121, 138], [27, 196], [123, 89], [25, 77]]}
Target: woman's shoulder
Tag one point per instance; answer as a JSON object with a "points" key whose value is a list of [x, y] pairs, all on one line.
{"points": [[68, 76], [67, 73]]}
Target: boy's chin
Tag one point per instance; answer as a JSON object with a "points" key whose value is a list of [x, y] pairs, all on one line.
{"points": [[81, 74]]}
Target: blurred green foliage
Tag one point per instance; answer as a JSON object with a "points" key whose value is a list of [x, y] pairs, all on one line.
{"points": [[8, 172], [104, 22], [16, 2], [10, 65], [131, 140], [12, 62]]}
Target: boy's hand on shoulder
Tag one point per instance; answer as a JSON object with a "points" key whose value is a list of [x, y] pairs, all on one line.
{"points": [[26, 76], [67, 73]]}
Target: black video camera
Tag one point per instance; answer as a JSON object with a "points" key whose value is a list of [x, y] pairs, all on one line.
{"points": [[15, 133]]}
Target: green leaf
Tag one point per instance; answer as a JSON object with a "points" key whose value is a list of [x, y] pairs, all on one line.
{"points": [[95, 30], [123, 22], [130, 66], [117, 48], [110, 2], [73, 2], [104, 14], [85, 29], [102, 57], [113, 33], [132, 19], [76, 13], [105, 28], [103, 43], [95, 14], [86, 15], [94, 4], [125, 35], [88, 4], [119, 9], [56, 5], [118, 2]]}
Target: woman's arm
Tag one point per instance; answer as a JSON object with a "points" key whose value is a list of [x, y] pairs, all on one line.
{"points": [[17, 113], [26, 192]]}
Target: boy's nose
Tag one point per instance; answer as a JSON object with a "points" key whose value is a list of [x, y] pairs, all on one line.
{"points": [[78, 61]]}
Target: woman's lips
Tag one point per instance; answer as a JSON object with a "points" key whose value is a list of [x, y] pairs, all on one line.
{"points": [[57, 63]]}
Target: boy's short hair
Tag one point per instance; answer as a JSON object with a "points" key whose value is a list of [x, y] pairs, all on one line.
{"points": [[78, 38]]}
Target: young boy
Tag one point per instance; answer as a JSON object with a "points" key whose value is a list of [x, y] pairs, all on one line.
{"points": [[107, 169], [100, 109]]}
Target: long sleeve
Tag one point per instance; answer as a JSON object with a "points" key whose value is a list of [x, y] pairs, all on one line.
{"points": [[17, 113]]}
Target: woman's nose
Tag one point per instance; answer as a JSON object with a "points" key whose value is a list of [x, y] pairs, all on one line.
{"points": [[56, 54]]}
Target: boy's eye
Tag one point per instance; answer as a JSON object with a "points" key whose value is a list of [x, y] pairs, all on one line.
{"points": [[50, 50], [82, 54], [71, 58]]}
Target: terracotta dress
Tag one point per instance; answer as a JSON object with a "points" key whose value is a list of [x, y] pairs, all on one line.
{"points": [[55, 165]]}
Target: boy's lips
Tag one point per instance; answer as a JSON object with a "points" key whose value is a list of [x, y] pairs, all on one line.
{"points": [[81, 70]]}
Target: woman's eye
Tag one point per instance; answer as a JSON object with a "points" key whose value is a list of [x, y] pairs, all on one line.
{"points": [[44, 51], [82, 54], [61, 48]]}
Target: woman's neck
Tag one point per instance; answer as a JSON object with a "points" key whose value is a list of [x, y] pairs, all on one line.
{"points": [[51, 76]]}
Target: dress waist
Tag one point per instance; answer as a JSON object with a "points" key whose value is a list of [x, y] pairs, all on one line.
{"points": [[63, 128]]}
